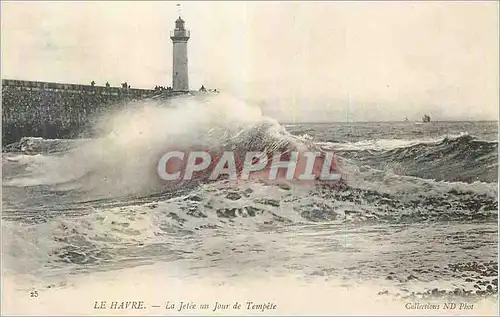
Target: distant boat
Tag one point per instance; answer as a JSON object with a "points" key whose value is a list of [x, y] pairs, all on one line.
{"points": [[406, 119], [426, 118]]}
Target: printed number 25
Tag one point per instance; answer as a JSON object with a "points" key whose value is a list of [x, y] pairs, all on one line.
{"points": [[33, 293]]}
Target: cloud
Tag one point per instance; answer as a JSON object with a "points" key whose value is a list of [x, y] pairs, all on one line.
{"points": [[309, 61]]}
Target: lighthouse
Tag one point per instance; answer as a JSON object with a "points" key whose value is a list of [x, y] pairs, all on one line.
{"points": [[180, 37]]}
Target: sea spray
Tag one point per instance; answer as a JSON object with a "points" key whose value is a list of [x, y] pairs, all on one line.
{"points": [[122, 159]]}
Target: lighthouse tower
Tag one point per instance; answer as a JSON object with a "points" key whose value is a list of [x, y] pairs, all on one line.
{"points": [[180, 37]]}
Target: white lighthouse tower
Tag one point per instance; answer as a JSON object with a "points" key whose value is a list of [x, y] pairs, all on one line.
{"points": [[180, 37]]}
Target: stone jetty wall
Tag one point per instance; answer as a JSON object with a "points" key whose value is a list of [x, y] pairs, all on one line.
{"points": [[54, 110]]}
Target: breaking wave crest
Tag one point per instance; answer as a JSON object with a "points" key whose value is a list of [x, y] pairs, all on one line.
{"points": [[462, 158], [122, 159]]}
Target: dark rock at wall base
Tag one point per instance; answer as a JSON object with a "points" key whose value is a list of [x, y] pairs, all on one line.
{"points": [[13, 132]]}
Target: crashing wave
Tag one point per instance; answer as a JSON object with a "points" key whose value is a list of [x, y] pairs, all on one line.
{"points": [[460, 158], [122, 160]]}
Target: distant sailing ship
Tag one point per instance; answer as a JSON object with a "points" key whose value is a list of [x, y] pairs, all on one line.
{"points": [[426, 118]]}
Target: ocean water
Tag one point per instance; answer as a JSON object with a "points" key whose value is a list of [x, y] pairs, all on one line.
{"points": [[413, 221]]}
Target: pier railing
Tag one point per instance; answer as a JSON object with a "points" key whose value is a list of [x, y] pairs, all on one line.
{"points": [[73, 88], [57, 110]]}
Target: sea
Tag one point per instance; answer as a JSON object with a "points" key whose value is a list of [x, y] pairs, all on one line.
{"points": [[413, 224]]}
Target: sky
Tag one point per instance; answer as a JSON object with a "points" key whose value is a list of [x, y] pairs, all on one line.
{"points": [[299, 61]]}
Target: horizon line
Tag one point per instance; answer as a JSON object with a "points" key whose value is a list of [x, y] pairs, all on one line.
{"points": [[386, 121]]}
